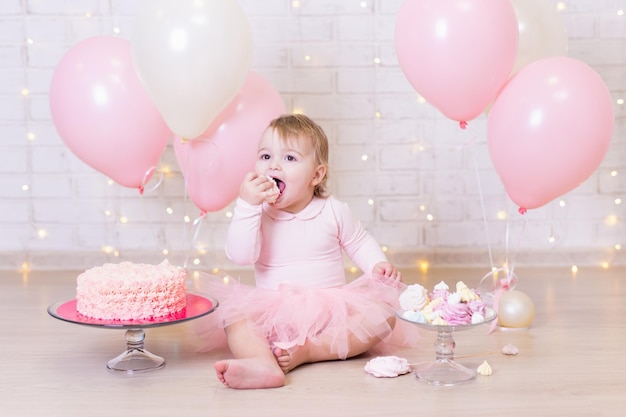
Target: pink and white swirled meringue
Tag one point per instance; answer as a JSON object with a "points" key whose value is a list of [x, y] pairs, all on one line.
{"points": [[415, 297], [387, 366]]}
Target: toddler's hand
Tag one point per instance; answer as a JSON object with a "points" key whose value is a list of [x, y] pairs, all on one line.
{"points": [[257, 189], [387, 270]]}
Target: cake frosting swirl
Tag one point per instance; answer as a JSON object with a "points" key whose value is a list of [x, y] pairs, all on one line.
{"points": [[130, 291]]}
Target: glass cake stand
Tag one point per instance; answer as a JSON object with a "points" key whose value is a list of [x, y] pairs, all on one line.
{"points": [[445, 370], [135, 358]]}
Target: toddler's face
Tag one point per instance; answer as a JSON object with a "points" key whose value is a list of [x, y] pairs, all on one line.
{"points": [[291, 163]]}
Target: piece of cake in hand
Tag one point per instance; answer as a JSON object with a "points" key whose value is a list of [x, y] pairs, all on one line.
{"points": [[275, 190], [129, 291]]}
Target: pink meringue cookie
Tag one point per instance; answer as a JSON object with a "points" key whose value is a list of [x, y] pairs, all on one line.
{"points": [[440, 290], [477, 306], [456, 313], [387, 366], [510, 350]]}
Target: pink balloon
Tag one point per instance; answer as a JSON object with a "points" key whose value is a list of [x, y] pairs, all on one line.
{"points": [[457, 54], [549, 129], [103, 114], [215, 164]]}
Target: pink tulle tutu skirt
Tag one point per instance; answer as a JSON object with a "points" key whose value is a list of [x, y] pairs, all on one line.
{"points": [[364, 308]]}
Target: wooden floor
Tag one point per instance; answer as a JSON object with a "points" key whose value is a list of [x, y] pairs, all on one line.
{"points": [[572, 361]]}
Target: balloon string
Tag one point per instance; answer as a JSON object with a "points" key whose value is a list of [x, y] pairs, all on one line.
{"points": [[186, 198], [482, 206], [470, 142], [506, 284], [517, 246], [147, 177], [197, 225], [151, 224]]}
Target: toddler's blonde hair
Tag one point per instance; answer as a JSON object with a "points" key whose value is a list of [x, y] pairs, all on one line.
{"points": [[294, 127]]}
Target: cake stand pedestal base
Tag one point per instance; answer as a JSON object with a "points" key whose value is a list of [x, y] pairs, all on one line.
{"points": [[445, 372], [135, 358]]}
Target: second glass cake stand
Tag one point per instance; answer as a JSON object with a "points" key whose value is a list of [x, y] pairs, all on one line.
{"points": [[445, 370], [135, 358]]}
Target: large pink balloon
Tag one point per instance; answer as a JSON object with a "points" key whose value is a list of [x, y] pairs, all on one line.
{"points": [[215, 164], [457, 54], [103, 114], [549, 129]]}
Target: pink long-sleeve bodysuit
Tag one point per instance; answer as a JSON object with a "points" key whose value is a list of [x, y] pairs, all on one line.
{"points": [[304, 249]]}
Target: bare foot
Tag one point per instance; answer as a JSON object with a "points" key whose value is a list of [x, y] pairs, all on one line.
{"points": [[249, 373], [290, 360]]}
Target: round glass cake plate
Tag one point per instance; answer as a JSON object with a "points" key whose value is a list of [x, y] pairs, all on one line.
{"points": [[445, 370], [135, 358]]}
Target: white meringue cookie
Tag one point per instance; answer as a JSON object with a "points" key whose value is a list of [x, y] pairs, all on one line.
{"points": [[387, 366]]}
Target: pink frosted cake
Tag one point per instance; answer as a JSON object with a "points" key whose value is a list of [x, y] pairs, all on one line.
{"points": [[129, 291]]}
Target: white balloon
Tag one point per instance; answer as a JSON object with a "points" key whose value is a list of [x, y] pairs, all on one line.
{"points": [[192, 57], [515, 309], [542, 33]]}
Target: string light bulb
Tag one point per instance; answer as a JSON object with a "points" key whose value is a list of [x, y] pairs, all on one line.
{"points": [[108, 249]]}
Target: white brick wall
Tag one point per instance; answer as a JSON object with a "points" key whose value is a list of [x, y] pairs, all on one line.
{"points": [[418, 162]]}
